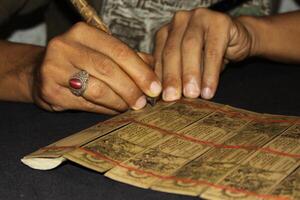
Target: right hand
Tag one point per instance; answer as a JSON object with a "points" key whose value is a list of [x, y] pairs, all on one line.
{"points": [[119, 79], [192, 50]]}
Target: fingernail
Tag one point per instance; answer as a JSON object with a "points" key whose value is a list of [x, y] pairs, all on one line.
{"points": [[207, 93], [155, 88], [191, 90], [140, 103], [57, 108], [170, 94]]}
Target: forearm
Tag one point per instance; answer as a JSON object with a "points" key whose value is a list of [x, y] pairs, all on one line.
{"points": [[275, 37], [17, 62]]}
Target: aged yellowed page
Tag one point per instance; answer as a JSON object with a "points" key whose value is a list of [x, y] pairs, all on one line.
{"points": [[190, 147], [140, 134]]}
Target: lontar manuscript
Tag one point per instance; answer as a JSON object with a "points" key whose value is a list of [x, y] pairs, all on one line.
{"points": [[190, 147]]}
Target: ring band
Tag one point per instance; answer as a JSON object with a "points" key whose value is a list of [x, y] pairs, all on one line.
{"points": [[78, 82]]}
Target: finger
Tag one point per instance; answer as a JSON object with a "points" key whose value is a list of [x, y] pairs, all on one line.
{"points": [[160, 41], [215, 46], [60, 98], [69, 101], [147, 58], [42, 103], [120, 53], [172, 83], [106, 70], [225, 62], [192, 46], [36, 93], [99, 93]]}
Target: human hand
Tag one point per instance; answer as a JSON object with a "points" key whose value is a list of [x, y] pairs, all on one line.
{"points": [[193, 49], [118, 77]]}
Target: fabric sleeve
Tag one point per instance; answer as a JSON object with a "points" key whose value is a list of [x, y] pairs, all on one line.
{"points": [[9, 8]]}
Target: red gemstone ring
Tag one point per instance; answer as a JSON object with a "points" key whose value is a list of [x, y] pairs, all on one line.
{"points": [[78, 82]]}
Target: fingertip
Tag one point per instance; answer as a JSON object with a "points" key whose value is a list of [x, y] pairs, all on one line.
{"points": [[207, 93], [140, 103], [210, 81], [191, 90], [57, 108], [155, 89], [170, 94], [112, 112]]}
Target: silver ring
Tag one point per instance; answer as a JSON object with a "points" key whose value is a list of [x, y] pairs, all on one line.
{"points": [[78, 82]]}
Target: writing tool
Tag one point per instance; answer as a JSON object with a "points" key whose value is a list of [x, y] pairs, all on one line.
{"points": [[89, 14]]}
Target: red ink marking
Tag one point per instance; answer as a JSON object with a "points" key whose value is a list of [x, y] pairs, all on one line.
{"points": [[186, 180], [193, 139], [196, 140], [212, 144], [59, 147], [239, 114]]}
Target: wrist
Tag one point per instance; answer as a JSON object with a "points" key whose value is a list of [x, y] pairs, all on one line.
{"points": [[255, 27], [17, 68], [28, 75]]}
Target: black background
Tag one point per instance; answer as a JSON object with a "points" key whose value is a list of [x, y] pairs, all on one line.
{"points": [[256, 85]]}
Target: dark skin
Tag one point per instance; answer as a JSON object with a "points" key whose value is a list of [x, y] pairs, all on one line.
{"points": [[119, 78], [187, 43], [190, 53]]}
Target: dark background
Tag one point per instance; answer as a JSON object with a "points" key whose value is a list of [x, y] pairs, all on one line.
{"points": [[256, 85]]}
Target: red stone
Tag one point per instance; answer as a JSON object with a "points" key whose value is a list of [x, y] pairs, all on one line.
{"points": [[75, 83]]}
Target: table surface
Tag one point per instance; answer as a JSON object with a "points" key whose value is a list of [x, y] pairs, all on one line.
{"points": [[255, 85]]}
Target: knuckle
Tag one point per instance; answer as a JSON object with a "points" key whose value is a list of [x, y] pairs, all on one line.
{"points": [[180, 15], [77, 31], [222, 19], [189, 41], [200, 12], [57, 43], [102, 64], [97, 90], [169, 50], [120, 51], [212, 53], [179, 18], [78, 28], [209, 16], [106, 67], [162, 31]]}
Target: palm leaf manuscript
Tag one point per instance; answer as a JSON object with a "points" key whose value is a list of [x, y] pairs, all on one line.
{"points": [[191, 147]]}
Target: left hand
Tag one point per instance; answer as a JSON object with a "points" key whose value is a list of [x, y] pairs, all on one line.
{"points": [[193, 49]]}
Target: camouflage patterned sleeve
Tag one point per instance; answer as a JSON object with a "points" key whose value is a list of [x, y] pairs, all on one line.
{"points": [[254, 8], [136, 22]]}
